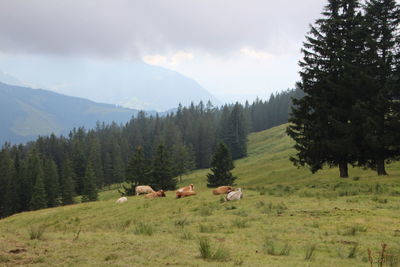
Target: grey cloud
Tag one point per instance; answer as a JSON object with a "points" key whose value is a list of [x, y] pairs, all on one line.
{"points": [[117, 28]]}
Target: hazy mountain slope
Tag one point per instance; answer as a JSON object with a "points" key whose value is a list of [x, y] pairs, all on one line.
{"points": [[282, 206], [133, 85], [26, 113]]}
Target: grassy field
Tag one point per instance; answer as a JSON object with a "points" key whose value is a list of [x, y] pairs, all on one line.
{"points": [[287, 217]]}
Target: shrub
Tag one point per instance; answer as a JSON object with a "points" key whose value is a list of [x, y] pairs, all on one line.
{"points": [[111, 257]]}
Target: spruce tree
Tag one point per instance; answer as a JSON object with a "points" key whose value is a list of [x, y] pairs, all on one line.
{"points": [[221, 166], [67, 183], [89, 191], [6, 177], [381, 125], [51, 181], [38, 200], [137, 172], [324, 123], [161, 174]]}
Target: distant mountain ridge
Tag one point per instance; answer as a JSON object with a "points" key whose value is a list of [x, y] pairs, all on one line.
{"points": [[134, 85], [26, 113]]}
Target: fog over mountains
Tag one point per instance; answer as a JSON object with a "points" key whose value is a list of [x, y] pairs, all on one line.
{"points": [[26, 113], [129, 84]]}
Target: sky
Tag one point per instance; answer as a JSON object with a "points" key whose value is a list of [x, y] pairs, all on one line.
{"points": [[236, 49]]}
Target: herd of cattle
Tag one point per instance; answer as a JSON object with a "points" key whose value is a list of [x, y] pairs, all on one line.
{"points": [[228, 191]]}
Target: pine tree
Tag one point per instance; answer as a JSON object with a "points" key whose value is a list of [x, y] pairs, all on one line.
{"points": [[236, 134], [137, 172], [161, 173], [324, 123], [183, 160], [38, 200], [89, 191], [381, 125], [67, 183], [221, 166], [6, 178], [51, 181]]}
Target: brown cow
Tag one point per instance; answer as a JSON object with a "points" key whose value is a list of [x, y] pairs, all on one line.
{"points": [[222, 190], [186, 188], [185, 194], [159, 193]]}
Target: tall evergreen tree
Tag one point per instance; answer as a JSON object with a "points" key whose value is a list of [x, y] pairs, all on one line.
{"points": [[381, 124], [161, 173], [51, 182], [38, 200], [221, 166], [137, 172], [89, 190], [236, 134], [67, 183], [6, 177], [324, 122]]}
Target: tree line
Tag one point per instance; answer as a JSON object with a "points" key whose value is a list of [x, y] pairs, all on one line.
{"points": [[350, 75], [54, 170]]}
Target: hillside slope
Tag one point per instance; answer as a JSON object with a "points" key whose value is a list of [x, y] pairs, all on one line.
{"points": [[283, 207], [26, 113]]}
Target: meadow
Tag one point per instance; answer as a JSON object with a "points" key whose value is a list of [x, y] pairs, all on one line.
{"points": [[288, 217]]}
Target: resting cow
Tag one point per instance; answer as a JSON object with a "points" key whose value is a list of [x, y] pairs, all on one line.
{"points": [[185, 194], [234, 195], [121, 200], [143, 189], [222, 190], [159, 193], [186, 188]]}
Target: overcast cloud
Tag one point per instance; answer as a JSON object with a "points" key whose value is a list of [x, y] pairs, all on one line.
{"points": [[121, 28], [243, 48]]}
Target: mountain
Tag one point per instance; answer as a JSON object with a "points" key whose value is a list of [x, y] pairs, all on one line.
{"points": [[26, 113], [285, 213], [129, 84]]}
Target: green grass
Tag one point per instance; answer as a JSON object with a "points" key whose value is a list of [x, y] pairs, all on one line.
{"points": [[312, 220]]}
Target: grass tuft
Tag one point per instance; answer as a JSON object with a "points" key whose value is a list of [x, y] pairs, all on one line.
{"points": [[207, 253], [37, 231], [144, 229], [310, 252], [271, 248]]}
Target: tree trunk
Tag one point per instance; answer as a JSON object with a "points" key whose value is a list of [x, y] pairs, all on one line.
{"points": [[344, 172], [380, 167]]}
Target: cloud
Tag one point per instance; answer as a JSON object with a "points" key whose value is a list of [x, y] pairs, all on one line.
{"points": [[169, 60], [132, 29], [257, 54]]}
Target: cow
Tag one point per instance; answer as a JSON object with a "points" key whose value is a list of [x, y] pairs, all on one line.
{"points": [[121, 200], [143, 189], [186, 188], [234, 195], [185, 194], [159, 193], [222, 190]]}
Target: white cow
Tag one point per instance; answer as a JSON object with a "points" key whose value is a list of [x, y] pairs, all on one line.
{"points": [[121, 200], [234, 195], [143, 189]]}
